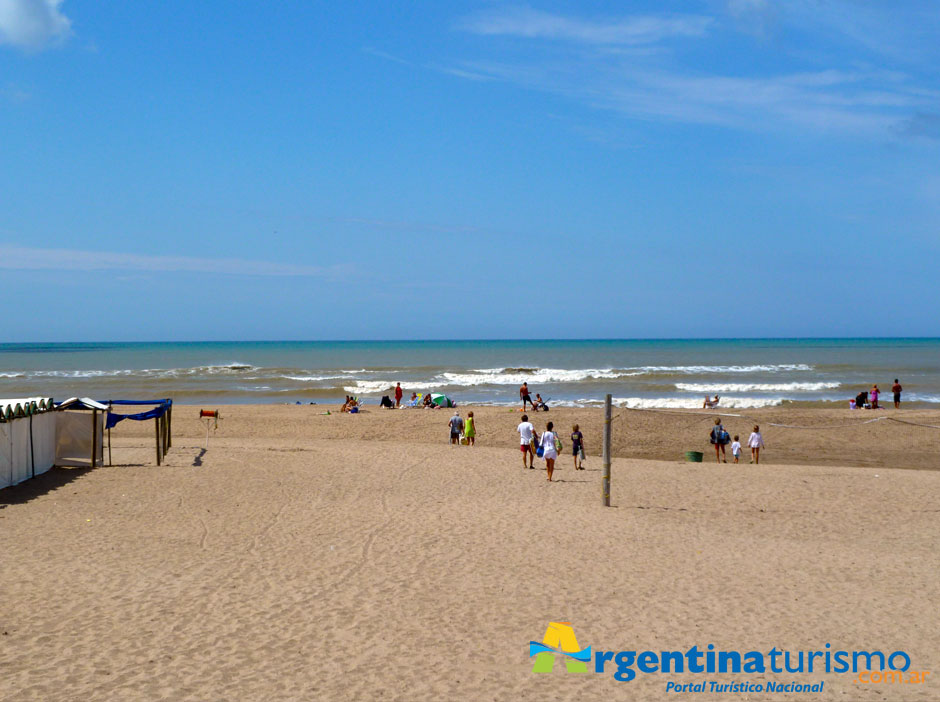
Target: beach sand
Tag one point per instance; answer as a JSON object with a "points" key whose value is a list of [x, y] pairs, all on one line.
{"points": [[311, 557]]}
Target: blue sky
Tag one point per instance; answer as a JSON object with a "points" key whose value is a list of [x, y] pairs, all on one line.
{"points": [[302, 170]]}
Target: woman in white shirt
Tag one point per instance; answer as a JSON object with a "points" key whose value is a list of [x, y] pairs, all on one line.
{"points": [[547, 442], [756, 443]]}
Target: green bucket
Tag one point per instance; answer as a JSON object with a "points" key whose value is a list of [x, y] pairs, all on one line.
{"points": [[693, 456]]}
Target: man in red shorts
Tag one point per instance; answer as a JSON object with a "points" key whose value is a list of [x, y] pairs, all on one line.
{"points": [[526, 436]]}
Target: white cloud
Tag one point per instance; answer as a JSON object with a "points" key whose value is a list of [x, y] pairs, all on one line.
{"points": [[32, 24], [856, 102], [633, 30], [26, 258]]}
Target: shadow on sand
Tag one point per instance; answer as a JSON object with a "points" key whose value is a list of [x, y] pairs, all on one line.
{"points": [[51, 480]]}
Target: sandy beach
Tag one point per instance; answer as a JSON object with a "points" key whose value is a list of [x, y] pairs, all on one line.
{"points": [[313, 557]]}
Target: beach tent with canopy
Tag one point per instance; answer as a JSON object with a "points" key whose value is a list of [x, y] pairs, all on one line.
{"points": [[37, 434], [79, 432], [27, 438], [442, 400], [161, 411]]}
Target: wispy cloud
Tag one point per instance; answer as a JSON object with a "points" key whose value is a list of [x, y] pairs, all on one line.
{"points": [[856, 101], [32, 259], [32, 24], [594, 61], [632, 30]]}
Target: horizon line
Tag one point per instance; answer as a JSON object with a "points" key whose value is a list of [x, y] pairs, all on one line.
{"points": [[477, 340]]}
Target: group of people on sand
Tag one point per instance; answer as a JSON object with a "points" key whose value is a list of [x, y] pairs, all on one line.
{"points": [[869, 399], [462, 432], [550, 445], [538, 404], [350, 405], [720, 438]]}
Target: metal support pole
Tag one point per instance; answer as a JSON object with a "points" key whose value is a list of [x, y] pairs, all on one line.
{"points": [[605, 483]]}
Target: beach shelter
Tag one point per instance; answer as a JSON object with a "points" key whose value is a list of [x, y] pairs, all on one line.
{"points": [[79, 432], [27, 438], [442, 400]]}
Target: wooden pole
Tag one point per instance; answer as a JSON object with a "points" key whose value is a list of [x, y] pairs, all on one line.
{"points": [[156, 429], [94, 437], [605, 481], [109, 437], [169, 427]]}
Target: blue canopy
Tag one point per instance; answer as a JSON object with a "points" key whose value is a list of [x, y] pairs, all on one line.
{"points": [[161, 408]]}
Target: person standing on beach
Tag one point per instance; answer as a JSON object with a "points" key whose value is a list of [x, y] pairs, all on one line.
{"points": [[719, 438], [896, 389], [577, 447], [456, 426], [526, 435], [470, 429], [549, 449], [398, 394], [525, 397], [873, 396], [756, 442]]}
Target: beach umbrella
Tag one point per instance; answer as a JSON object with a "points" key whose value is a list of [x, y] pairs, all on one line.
{"points": [[442, 400]]}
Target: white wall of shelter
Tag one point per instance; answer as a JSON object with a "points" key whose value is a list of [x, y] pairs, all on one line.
{"points": [[27, 439]]}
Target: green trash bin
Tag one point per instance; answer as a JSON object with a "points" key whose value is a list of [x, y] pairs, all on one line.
{"points": [[694, 456]]}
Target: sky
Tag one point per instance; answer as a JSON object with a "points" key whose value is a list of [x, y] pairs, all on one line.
{"points": [[425, 170]]}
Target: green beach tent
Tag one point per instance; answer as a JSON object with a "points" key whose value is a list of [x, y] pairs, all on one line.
{"points": [[442, 400]]}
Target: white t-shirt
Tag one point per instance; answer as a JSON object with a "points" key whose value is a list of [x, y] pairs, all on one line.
{"points": [[755, 440], [736, 448], [526, 430]]}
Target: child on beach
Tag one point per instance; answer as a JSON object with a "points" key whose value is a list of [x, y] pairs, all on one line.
{"points": [[470, 429], [736, 449], [756, 443], [577, 447]]}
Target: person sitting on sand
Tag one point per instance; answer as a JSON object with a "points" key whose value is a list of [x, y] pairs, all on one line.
{"points": [[427, 402], [861, 400], [710, 404], [414, 399], [539, 404], [756, 442], [345, 406]]}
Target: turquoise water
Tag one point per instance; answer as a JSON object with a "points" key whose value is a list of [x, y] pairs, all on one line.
{"points": [[639, 373]]}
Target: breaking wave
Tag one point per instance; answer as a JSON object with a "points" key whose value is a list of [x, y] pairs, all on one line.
{"points": [[692, 403], [755, 387]]}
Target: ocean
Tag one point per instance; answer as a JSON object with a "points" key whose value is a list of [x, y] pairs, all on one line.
{"points": [[746, 373]]}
